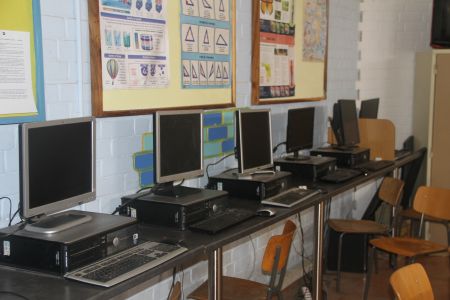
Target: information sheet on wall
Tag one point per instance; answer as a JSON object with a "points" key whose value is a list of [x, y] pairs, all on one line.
{"points": [[16, 91], [206, 31], [315, 30], [134, 42], [277, 49]]}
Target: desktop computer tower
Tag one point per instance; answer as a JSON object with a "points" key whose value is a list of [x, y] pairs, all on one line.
{"points": [[310, 169], [257, 186], [354, 252], [70, 249], [345, 158], [175, 212]]}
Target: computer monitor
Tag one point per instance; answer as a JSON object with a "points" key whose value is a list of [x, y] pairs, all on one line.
{"points": [[349, 123], [300, 131], [253, 140], [178, 140], [369, 108], [57, 170]]}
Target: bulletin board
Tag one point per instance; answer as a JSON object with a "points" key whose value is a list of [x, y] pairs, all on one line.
{"points": [[21, 75], [289, 49], [149, 55]]}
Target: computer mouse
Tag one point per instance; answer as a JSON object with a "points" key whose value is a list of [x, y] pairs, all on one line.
{"points": [[266, 212]]}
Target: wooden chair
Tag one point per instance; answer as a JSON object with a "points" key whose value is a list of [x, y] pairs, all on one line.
{"points": [[411, 283], [175, 292], [434, 202], [274, 263], [390, 192]]}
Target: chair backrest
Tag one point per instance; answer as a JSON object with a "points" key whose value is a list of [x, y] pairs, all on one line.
{"points": [[283, 241], [175, 293], [391, 190], [432, 201], [411, 283]]}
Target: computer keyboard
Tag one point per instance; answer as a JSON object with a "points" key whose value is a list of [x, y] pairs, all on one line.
{"points": [[126, 264], [290, 197], [341, 175], [222, 220], [374, 165]]}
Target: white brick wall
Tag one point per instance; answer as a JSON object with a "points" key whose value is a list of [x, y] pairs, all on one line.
{"points": [[392, 32], [67, 87]]}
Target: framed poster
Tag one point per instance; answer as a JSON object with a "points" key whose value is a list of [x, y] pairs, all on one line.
{"points": [[149, 55], [289, 50], [21, 68]]}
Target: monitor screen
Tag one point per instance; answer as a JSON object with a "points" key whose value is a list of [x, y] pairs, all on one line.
{"points": [[300, 129], [254, 140], [179, 145], [369, 108], [349, 122], [57, 165]]}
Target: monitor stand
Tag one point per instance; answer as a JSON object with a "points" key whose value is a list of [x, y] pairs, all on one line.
{"points": [[57, 223], [297, 157], [345, 147], [167, 189]]}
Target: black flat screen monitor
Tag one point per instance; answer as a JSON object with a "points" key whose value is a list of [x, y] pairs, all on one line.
{"points": [[369, 108], [57, 169], [440, 25], [300, 130], [349, 123], [253, 140], [178, 137]]}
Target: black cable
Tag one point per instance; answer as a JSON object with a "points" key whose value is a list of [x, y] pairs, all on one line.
{"points": [[10, 205], [217, 162], [13, 216], [278, 145], [307, 280], [133, 198], [14, 294]]}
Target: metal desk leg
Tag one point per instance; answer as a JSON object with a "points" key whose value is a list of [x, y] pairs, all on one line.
{"points": [[215, 275], [318, 246]]}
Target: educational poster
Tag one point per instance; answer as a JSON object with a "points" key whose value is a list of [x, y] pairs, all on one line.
{"points": [[16, 91], [206, 34], [134, 43], [315, 30], [277, 49]]}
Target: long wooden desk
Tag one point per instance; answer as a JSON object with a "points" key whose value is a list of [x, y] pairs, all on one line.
{"points": [[33, 285]]}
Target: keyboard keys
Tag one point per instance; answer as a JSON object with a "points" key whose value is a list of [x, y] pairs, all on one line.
{"points": [[126, 264]]}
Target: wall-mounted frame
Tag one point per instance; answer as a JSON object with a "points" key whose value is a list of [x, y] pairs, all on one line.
{"points": [[289, 61], [149, 55], [22, 74]]}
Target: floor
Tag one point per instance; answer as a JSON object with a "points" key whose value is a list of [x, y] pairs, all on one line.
{"points": [[352, 284]]}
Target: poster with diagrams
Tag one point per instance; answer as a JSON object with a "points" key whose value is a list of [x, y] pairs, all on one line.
{"points": [[206, 36], [277, 49], [134, 43]]}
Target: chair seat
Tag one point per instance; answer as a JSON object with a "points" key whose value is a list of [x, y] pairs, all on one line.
{"points": [[357, 226], [234, 288], [412, 214], [406, 246]]}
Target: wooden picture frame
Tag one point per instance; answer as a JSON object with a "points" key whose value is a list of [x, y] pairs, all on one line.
{"points": [[179, 91], [301, 66]]}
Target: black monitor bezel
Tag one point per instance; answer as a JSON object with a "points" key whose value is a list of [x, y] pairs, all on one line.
{"points": [[367, 111], [240, 150], [157, 142], [294, 148], [24, 132]]}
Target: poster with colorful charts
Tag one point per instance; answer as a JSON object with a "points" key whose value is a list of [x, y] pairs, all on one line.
{"points": [[206, 43], [289, 51], [134, 43], [149, 55]]}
